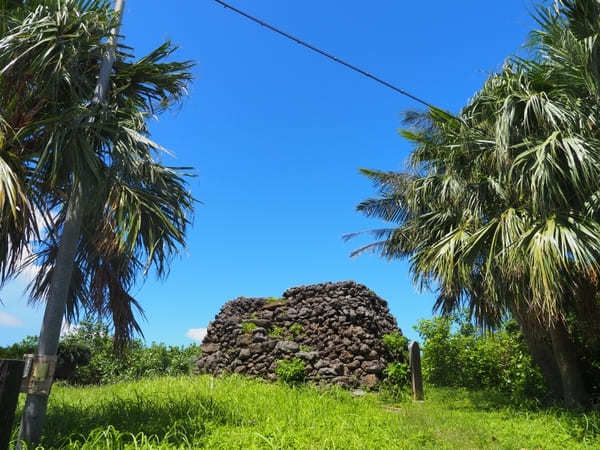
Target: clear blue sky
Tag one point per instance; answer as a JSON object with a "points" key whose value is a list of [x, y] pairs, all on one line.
{"points": [[277, 133]]}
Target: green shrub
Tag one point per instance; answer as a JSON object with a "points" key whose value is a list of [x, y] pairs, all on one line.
{"points": [[18, 349], [276, 332], [291, 371], [396, 385], [248, 327], [396, 345], [305, 348], [274, 299], [457, 354], [87, 356], [70, 357], [397, 372]]}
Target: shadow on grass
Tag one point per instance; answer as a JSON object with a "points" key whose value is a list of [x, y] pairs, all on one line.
{"points": [[487, 400], [191, 417]]}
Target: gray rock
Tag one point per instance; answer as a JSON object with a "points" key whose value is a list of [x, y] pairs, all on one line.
{"points": [[308, 356], [261, 347], [210, 348], [287, 347], [243, 340], [327, 372], [372, 367], [244, 354], [320, 364]]}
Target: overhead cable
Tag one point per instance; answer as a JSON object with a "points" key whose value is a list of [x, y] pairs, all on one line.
{"points": [[328, 55]]}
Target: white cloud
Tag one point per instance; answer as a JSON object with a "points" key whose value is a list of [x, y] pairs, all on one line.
{"points": [[67, 328], [196, 334], [8, 320]]}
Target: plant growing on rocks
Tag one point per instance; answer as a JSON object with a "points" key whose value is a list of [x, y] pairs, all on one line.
{"points": [[296, 330], [276, 332], [248, 327], [291, 371]]}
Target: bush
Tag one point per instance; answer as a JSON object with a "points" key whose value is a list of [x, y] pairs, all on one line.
{"points": [[396, 345], [87, 356], [291, 371], [397, 372], [457, 354], [71, 355]]}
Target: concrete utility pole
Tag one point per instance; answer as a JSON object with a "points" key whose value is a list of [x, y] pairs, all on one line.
{"points": [[34, 413]]}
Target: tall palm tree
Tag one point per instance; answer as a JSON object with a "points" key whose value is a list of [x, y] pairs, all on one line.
{"points": [[86, 162], [500, 208]]}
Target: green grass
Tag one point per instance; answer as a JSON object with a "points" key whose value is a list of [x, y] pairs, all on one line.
{"points": [[241, 413]]}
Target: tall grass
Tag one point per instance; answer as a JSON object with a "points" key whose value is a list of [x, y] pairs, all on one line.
{"points": [[241, 413]]}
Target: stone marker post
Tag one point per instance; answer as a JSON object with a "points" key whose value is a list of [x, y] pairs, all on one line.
{"points": [[11, 376], [414, 360]]}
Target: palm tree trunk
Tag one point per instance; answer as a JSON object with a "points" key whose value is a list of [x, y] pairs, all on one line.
{"points": [[539, 345], [34, 413], [574, 391]]}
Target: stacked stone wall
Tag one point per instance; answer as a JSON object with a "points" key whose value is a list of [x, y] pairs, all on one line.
{"points": [[336, 328]]}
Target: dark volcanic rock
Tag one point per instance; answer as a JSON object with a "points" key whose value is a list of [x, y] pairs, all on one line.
{"points": [[336, 328]]}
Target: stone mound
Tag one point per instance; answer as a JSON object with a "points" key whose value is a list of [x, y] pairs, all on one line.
{"points": [[336, 328]]}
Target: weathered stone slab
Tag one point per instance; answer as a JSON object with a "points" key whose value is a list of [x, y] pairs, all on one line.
{"points": [[414, 358]]}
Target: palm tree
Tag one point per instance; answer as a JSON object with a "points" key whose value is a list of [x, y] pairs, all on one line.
{"points": [[86, 162], [499, 210]]}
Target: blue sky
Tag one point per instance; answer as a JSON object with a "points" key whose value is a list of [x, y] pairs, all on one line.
{"points": [[277, 134]]}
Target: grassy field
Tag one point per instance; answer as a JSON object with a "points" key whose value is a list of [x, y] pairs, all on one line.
{"points": [[240, 413]]}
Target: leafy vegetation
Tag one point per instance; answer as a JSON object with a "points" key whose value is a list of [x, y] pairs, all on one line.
{"points": [[276, 332], [296, 329], [396, 345], [248, 327], [241, 413], [291, 371], [87, 356], [457, 354], [397, 372]]}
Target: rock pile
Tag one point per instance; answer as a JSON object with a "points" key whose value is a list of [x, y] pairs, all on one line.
{"points": [[336, 328]]}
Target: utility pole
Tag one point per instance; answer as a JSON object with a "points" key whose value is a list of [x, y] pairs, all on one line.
{"points": [[34, 413]]}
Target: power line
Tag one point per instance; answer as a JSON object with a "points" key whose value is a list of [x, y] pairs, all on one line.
{"points": [[328, 55]]}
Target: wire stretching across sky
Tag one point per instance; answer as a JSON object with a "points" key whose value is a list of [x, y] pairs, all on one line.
{"points": [[326, 54]]}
